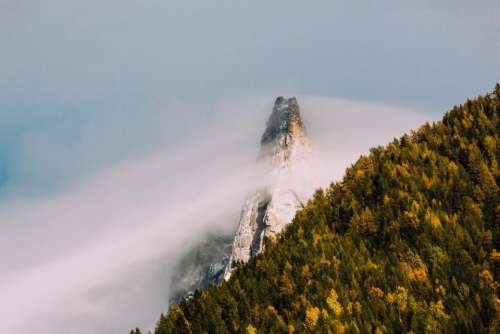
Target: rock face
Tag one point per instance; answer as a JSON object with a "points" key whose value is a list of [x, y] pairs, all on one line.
{"points": [[200, 267], [285, 153], [284, 149]]}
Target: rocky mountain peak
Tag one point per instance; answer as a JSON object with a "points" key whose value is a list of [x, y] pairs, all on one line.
{"points": [[285, 120], [268, 211], [284, 133]]}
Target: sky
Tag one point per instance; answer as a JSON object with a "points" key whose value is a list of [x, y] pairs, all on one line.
{"points": [[123, 123]]}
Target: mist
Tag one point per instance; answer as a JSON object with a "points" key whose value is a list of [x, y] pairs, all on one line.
{"points": [[97, 254]]}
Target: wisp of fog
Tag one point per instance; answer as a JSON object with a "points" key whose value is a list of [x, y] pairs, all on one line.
{"points": [[96, 256]]}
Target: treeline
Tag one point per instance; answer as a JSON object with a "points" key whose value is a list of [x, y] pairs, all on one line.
{"points": [[407, 242]]}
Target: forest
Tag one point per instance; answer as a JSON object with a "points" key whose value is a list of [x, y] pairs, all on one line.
{"points": [[407, 242]]}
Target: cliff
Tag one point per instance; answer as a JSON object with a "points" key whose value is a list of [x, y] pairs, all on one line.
{"points": [[283, 146]]}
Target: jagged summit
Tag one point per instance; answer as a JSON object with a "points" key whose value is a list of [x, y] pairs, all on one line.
{"points": [[284, 150], [284, 120], [268, 211], [285, 134]]}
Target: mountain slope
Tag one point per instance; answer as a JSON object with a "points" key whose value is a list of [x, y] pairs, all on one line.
{"points": [[408, 241]]}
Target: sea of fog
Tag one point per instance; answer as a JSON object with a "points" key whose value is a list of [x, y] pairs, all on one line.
{"points": [[90, 239]]}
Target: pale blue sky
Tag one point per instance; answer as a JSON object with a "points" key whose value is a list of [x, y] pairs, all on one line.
{"points": [[67, 65]]}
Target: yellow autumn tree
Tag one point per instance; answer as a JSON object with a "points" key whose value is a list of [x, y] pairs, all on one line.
{"points": [[251, 329], [333, 303], [312, 316]]}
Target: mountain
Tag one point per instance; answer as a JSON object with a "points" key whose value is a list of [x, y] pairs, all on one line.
{"points": [[284, 152], [407, 242], [284, 148]]}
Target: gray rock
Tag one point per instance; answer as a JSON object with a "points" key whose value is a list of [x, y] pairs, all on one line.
{"points": [[285, 151], [283, 147]]}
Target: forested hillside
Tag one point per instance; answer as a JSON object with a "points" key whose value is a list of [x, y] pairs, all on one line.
{"points": [[408, 241]]}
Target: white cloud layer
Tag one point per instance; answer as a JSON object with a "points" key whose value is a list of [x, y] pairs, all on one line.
{"points": [[96, 256]]}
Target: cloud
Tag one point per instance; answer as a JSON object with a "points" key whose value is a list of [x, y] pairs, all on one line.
{"points": [[96, 255], [344, 129]]}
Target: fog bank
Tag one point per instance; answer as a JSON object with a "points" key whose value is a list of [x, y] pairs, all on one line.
{"points": [[96, 255]]}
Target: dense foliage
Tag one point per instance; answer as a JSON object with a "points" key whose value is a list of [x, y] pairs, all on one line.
{"points": [[408, 241]]}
